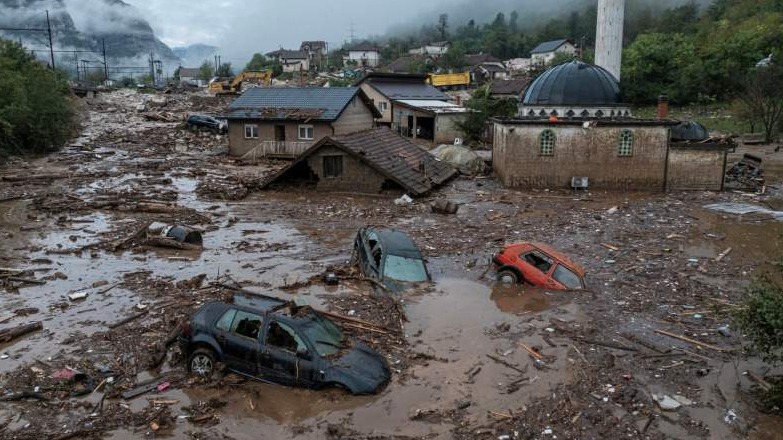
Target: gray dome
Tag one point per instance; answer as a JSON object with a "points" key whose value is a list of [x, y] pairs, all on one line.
{"points": [[573, 83], [689, 131]]}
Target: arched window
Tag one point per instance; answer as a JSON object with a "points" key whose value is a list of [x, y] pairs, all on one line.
{"points": [[625, 147], [547, 143]]}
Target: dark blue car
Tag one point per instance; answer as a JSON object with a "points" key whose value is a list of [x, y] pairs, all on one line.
{"points": [[275, 341]]}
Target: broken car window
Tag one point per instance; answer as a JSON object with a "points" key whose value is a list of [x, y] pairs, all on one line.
{"points": [[247, 324], [539, 261], [284, 337], [404, 269], [567, 278], [327, 337]]}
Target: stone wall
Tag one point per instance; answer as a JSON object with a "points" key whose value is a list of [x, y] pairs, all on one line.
{"points": [[357, 176], [580, 152], [696, 168]]}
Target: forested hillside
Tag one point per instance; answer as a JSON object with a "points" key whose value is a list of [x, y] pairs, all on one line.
{"points": [[692, 53]]}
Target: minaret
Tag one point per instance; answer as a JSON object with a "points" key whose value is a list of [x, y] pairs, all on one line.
{"points": [[609, 35]]}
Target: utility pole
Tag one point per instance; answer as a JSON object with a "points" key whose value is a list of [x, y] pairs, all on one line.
{"points": [[152, 69], [51, 46], [105, 66], [216, 65]]}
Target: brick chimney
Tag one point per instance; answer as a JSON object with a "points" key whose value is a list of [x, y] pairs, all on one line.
{"points": [[663, 107]]}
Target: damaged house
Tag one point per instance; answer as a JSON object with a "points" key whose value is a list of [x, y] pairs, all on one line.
{"points": [[372, 162], [284, 122], [573, 131], [413, 108]]}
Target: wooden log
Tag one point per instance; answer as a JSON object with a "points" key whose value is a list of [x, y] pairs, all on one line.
{"points": [[691, 341], [142, 231], [171, 243], [127, 320], [645, 343], [506, 364], [26, 281], [9, 334], [163, 347], [723, 254], [353, 320], [607, 344], [532, 352]]}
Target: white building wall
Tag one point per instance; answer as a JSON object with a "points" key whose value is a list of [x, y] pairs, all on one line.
{"points": [[609, 35]]}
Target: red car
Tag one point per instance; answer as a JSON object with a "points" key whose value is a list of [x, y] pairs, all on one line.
{"points": [[540, 265]]}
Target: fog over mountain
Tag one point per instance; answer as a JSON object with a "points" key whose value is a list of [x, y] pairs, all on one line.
{"points": [[85, 25]]}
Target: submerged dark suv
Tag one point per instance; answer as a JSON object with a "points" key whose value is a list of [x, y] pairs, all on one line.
{"points": [[276, 341]]}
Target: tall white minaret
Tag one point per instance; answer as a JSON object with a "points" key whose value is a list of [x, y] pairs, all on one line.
{"points": [[609, 35]]}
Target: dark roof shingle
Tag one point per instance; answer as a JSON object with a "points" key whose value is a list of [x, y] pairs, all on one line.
{"points": [[314, 103], [509, 87], [397, 158], [549, 46]]}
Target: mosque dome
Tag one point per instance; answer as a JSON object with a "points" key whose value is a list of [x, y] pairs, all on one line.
{"points": [[573, 83]]}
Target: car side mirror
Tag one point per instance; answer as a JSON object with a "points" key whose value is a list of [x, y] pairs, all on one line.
{"points": [[302, 353]]}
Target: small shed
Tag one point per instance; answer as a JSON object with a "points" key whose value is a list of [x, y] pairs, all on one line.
{"points": [[371, 161]]}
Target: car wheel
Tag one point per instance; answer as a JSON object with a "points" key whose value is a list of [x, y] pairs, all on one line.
{"points": [[202, 362], [508, 276]]}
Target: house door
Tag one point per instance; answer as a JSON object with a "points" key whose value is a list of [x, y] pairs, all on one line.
{"points": [[410, 126], [280, 133]]}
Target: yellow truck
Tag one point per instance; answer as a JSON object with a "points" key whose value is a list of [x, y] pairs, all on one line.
{"points": [[260, 77], [449, 80]]}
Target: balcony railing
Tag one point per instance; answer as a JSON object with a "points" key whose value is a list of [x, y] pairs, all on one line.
{"points": [[278, 149]]}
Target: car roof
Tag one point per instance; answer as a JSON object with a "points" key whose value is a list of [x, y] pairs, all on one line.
{"points": [[396, 242], [286, 311], [554, 253]]}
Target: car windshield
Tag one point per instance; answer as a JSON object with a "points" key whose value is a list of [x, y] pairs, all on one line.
{"points": [[325, 336], [567, 278], [404, 269]]}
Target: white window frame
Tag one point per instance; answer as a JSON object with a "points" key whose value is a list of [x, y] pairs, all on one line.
{"points": [[383, 106], [306, 127], [253, 131]]}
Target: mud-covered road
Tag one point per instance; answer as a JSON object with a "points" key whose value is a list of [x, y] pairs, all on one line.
{"points": [[73, 259]]}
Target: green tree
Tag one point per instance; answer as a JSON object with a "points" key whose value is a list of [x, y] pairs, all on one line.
{"points": [[257, 62], [225, 70], [763, 95], [484, 107], [206, 71], [36, 115], [658, 64], [443, 26], [761, 321], [454, 58]]}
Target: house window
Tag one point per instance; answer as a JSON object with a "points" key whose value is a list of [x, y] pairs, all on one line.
{"points": [[625, 148], [333, 166], [547, 143], [306, 132], [383, 106], [251, 131]]}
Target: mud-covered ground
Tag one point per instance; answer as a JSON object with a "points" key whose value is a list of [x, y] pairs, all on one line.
{"points": [[74, 224]]}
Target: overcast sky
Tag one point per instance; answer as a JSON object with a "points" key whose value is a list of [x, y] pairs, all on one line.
{"points": [[241, 27]]}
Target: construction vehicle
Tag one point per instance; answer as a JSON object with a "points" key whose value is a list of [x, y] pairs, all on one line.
{"points": [[449, 81], [261, 78]]}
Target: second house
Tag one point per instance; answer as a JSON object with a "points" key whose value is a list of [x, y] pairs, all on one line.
{"points": [[284, 122]]}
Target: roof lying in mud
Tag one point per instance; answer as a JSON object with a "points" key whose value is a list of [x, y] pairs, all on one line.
{"points": [[395, 157]]}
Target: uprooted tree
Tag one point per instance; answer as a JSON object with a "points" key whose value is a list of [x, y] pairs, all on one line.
{"points": [[761, 320], [36, 115], [763, 95]]}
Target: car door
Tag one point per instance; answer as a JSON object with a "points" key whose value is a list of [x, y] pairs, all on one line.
{"points": [[279, 361], [366, 261], [240, 341], [536, 267]]}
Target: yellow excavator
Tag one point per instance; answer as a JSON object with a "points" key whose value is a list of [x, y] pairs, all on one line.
{"points": [[261, 78]]}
